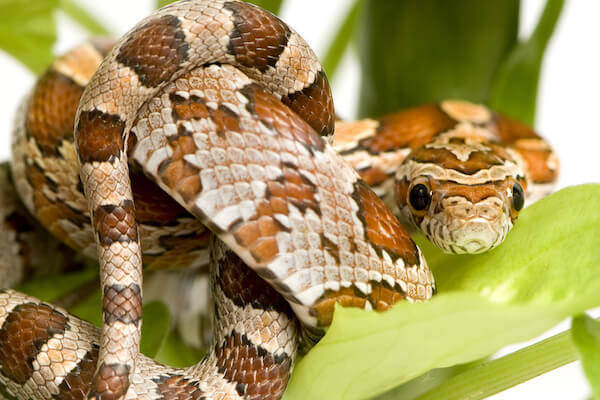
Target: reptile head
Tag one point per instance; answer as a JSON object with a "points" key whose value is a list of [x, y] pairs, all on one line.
{"points": [[463, 194]]}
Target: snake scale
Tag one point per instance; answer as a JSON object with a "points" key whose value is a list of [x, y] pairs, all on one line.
{"points": [[227, 110]]}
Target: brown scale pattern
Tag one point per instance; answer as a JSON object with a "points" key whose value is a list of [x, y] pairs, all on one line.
{"points": [[477, 161], [115, 223], [243, 286], [538, 170], [176, 172], [520, 137], [510, 129], [181, 251], [258, 37], [25, 329], [257, 373], [152, 205], [49, 212], [408, 128], [155, 50], [474, 193], [381, 298], [259, 234], [315, 105], [175, 387], [187, 109], [288, 124], [112, 382], [373, 176], [99, 136], [383, 229], [77, 383], [51, 114], [122, 303], [346, 297]]}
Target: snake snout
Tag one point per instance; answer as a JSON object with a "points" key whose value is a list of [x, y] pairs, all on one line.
{"points": [[476, 236], [473, 228]]}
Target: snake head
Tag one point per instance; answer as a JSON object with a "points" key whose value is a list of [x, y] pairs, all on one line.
{"points": [[463, 194]]}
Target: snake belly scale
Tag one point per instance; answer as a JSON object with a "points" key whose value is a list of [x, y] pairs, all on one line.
{"points": [[223, 107]]}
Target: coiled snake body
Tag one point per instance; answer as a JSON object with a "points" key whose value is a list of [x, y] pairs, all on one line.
{"points": [[220, 104]]}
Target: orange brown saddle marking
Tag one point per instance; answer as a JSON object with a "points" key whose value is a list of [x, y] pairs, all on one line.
{"points": [[220, 104], [467, 169]]}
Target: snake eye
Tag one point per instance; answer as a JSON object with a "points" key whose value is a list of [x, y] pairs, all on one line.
{"points": [[420, 197], [518, 198]]}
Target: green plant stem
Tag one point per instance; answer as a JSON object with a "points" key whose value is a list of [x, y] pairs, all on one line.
{"points": [[500, 374], [83, 18], [515, 86], [341, 40]]}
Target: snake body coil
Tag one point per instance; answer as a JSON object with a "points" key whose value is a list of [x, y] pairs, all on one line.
{"points": [[222, 106]]}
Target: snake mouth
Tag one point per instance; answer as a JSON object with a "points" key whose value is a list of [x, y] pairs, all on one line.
{"points": [[476, 235], [474, 246]]}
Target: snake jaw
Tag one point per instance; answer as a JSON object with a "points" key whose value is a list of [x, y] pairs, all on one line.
{"points": [[458, 226]]}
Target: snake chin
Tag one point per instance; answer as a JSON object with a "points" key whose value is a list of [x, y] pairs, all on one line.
{"points": [[460, 227]]}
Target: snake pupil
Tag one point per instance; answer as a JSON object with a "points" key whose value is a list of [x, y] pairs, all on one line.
{"points": [[419, 197], [518, 197]]}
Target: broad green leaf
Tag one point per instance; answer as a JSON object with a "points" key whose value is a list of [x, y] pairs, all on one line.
{"points": [[52, 288], [546, 271], [515, 86], [338, 46], [419, 51], [83, 17], [550, 256], [586, 336], [176, 353], [272, 5], [155, 327], [28, 31]]}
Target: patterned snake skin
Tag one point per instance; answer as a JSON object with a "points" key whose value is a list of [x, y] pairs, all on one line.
{"points": [[221, 105], [457, 171]]}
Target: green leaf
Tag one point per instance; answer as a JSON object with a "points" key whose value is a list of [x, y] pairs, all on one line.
{"points": [[586, 337], [550, 256], [83, 18], [272, 5], [28, 31], [418, 51], [500, 374], [176, 353], [51, 288], [545, 271], [341, 40], [514, 91], [155, 327]]}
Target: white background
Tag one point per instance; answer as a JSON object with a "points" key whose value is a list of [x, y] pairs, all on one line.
{"points": [[568, 106]]}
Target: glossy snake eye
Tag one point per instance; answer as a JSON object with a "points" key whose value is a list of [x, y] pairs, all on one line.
{"points": [[518, 197], [420, 197]]}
